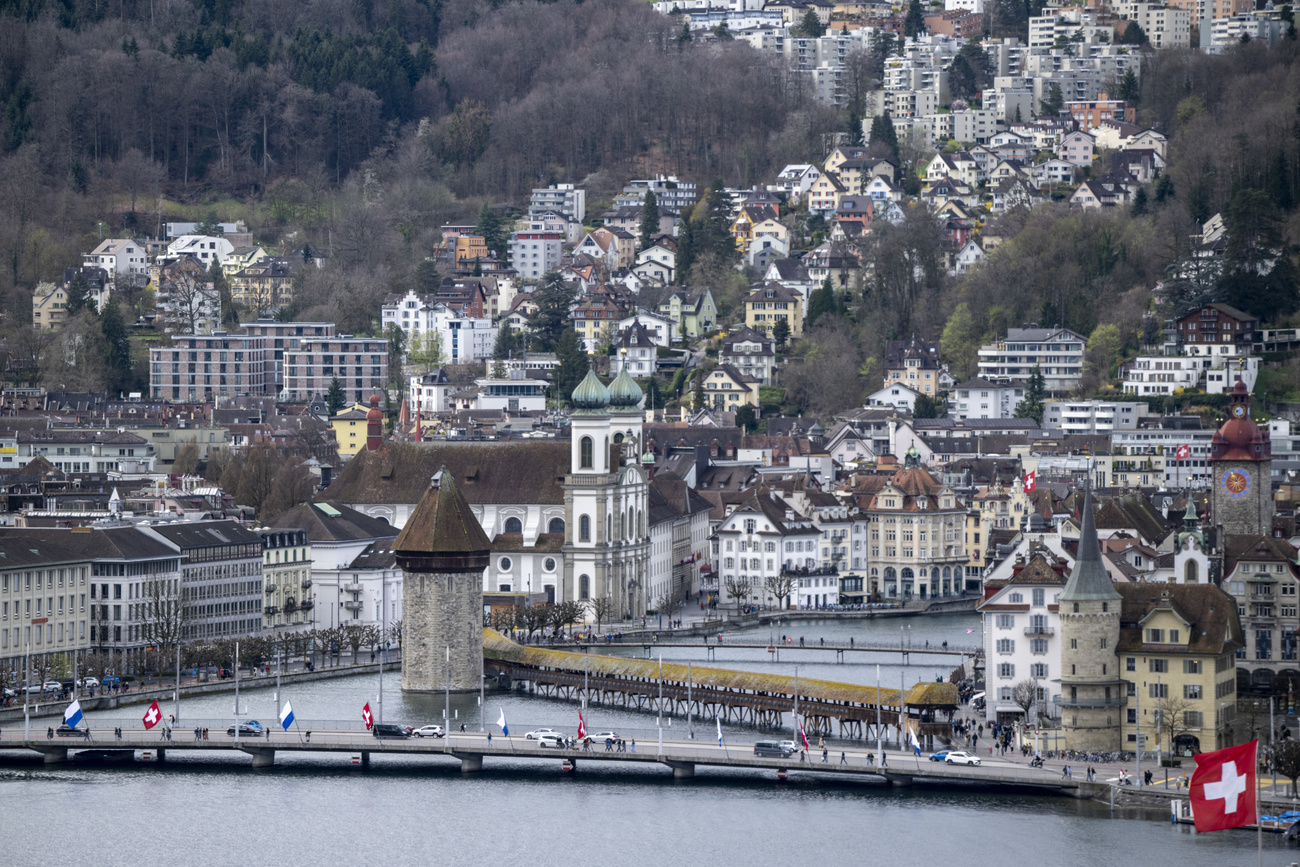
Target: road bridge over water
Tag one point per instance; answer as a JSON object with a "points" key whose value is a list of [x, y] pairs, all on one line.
{"points": [[473, 750], [841, 649]]}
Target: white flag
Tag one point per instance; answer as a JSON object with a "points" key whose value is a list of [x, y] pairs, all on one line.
{"points": [[502, 722], [719, 722]]}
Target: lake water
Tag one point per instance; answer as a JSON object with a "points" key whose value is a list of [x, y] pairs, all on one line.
{"points": [[321, 810]]}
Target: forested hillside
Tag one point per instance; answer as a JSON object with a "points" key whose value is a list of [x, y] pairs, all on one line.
{"points": [[362, 127]]}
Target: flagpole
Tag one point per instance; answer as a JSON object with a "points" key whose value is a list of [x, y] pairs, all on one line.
{"points": [[177, 702], [880, 736], [236, 692], [1259, 825], [659, 718], [796, 700], [690, 720]]}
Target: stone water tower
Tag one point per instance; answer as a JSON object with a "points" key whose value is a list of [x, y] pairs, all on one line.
{"points": [[442, 551]]}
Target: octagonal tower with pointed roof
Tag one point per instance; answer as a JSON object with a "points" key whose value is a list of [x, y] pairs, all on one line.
{"points": [[1093, 695], [442, 551]]}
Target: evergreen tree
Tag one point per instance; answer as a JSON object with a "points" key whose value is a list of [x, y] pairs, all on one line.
{"points": [[882, 131], [499, 369], [1133, 35], [117, 348], [1031, 405], [927, 407], [427, 277], [229, 313], [649, 219], [334, 398], [699, 388], [1259, 271], [821, 302], [1052, 104], [715, 235], [781, 332], [554, 300], [572, 367], [492, 228], [685, 247], [506, 343], [811, 26], [1140, 202], [914, 23], [1130, 89], [746, 418], [1164, 188], [78, 292]]}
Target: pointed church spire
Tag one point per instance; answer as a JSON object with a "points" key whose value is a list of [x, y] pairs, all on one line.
{"points": [[1089, 581]]}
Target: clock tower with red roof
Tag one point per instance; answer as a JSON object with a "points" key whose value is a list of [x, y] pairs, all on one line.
{"points": [[1241, 471]]}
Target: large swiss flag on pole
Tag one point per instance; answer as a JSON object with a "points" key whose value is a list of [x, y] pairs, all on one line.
{"points": [[152, 715], [367, 717], [1223, 788], [1031, 482]]}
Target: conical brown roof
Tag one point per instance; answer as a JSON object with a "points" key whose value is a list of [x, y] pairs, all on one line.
{"points": [[442, 534]]}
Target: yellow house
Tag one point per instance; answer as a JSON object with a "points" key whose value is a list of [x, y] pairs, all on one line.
{"points": [[749, 217], [774, 302], [240, 258], [471, 247], [729, 389], [1177, 651], [49, 306], [350, 429]]}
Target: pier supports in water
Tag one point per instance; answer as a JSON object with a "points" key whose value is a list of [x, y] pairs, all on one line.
{"points": [[682, 770], [470, 763], [262, 757]]}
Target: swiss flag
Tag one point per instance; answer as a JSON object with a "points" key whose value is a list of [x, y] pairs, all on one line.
{"points": [[582, 726], [367, 716], [152, 715], [1223, 788], [1182, 452], [1031, 481], [803, 737]]}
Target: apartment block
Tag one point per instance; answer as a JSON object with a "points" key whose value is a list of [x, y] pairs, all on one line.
{"points": [[200, 367], [360, 364]]}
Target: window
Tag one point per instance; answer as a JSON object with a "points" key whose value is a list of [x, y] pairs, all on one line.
{"points": [[1038, 645], [1017, 598], [1156, 636], [1038, 669], [585, 459], [556, 527], [548, 565], [1006, 669], [1130, 664], [1039, 595], [584, 587], [1192, 690], [1158, 690], [1192, 719], [1191, 666], [1006, 645], [584, 528], [1158, 666], [504, 564], [1132, 715], [1006, 621], [1173, 637], [514, 527]]}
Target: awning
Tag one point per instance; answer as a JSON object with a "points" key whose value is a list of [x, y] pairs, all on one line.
{"points": [[977, 696]]}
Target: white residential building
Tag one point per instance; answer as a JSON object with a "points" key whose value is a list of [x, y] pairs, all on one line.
{"points": [[1022, 637], [763, 537], [1090, 417], [1058, 352], [205, 248], [118, 256], [980, 399], [1161, 374], [564, 199], [516, 394], [464, 339], [534, 250]]}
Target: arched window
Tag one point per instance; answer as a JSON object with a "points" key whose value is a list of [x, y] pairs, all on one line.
{"points": [[890, 574], [584, 587], [514, 526], [556, 527], [584, 528], [947, 572], [584, 453], [631, 523], [907, 573], [1190, 573]]}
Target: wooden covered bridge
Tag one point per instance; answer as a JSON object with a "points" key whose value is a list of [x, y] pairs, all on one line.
{"points": [[755, 698]]}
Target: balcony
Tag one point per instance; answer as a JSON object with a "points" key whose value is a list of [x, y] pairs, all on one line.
{"points": [[1039, 630], [271, 610], [350, 588], [305, 605], [270, 587], [306, 584], [352, 605], [1113, 701]]}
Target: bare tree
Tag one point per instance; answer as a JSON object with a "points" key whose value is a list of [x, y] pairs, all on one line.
{"points": [[189, 302], [602, 609], [1286, 759], [780, 586], [1024, 693], [737, 588], [1171, 719], [164, 615]]}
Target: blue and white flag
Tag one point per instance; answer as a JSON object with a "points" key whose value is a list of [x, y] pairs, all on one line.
{"points": [[916, 745], [502, 722], [286, 716], [719, 722], [72, 715]]}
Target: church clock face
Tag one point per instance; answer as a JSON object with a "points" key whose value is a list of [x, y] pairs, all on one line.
{"points": [[1238, 411], [1235, 483]]}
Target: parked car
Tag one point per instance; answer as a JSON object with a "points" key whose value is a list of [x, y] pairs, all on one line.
{"points": [[251, 727], [940, 755], [88, 682], [112, 680], [389, 730], [67, 731], [52, 686], [788, 745], [10, 693], [430, 732], [551, 741], [772, 750], [33, 689], [541, 733], [601, 737], [957, 757]]}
